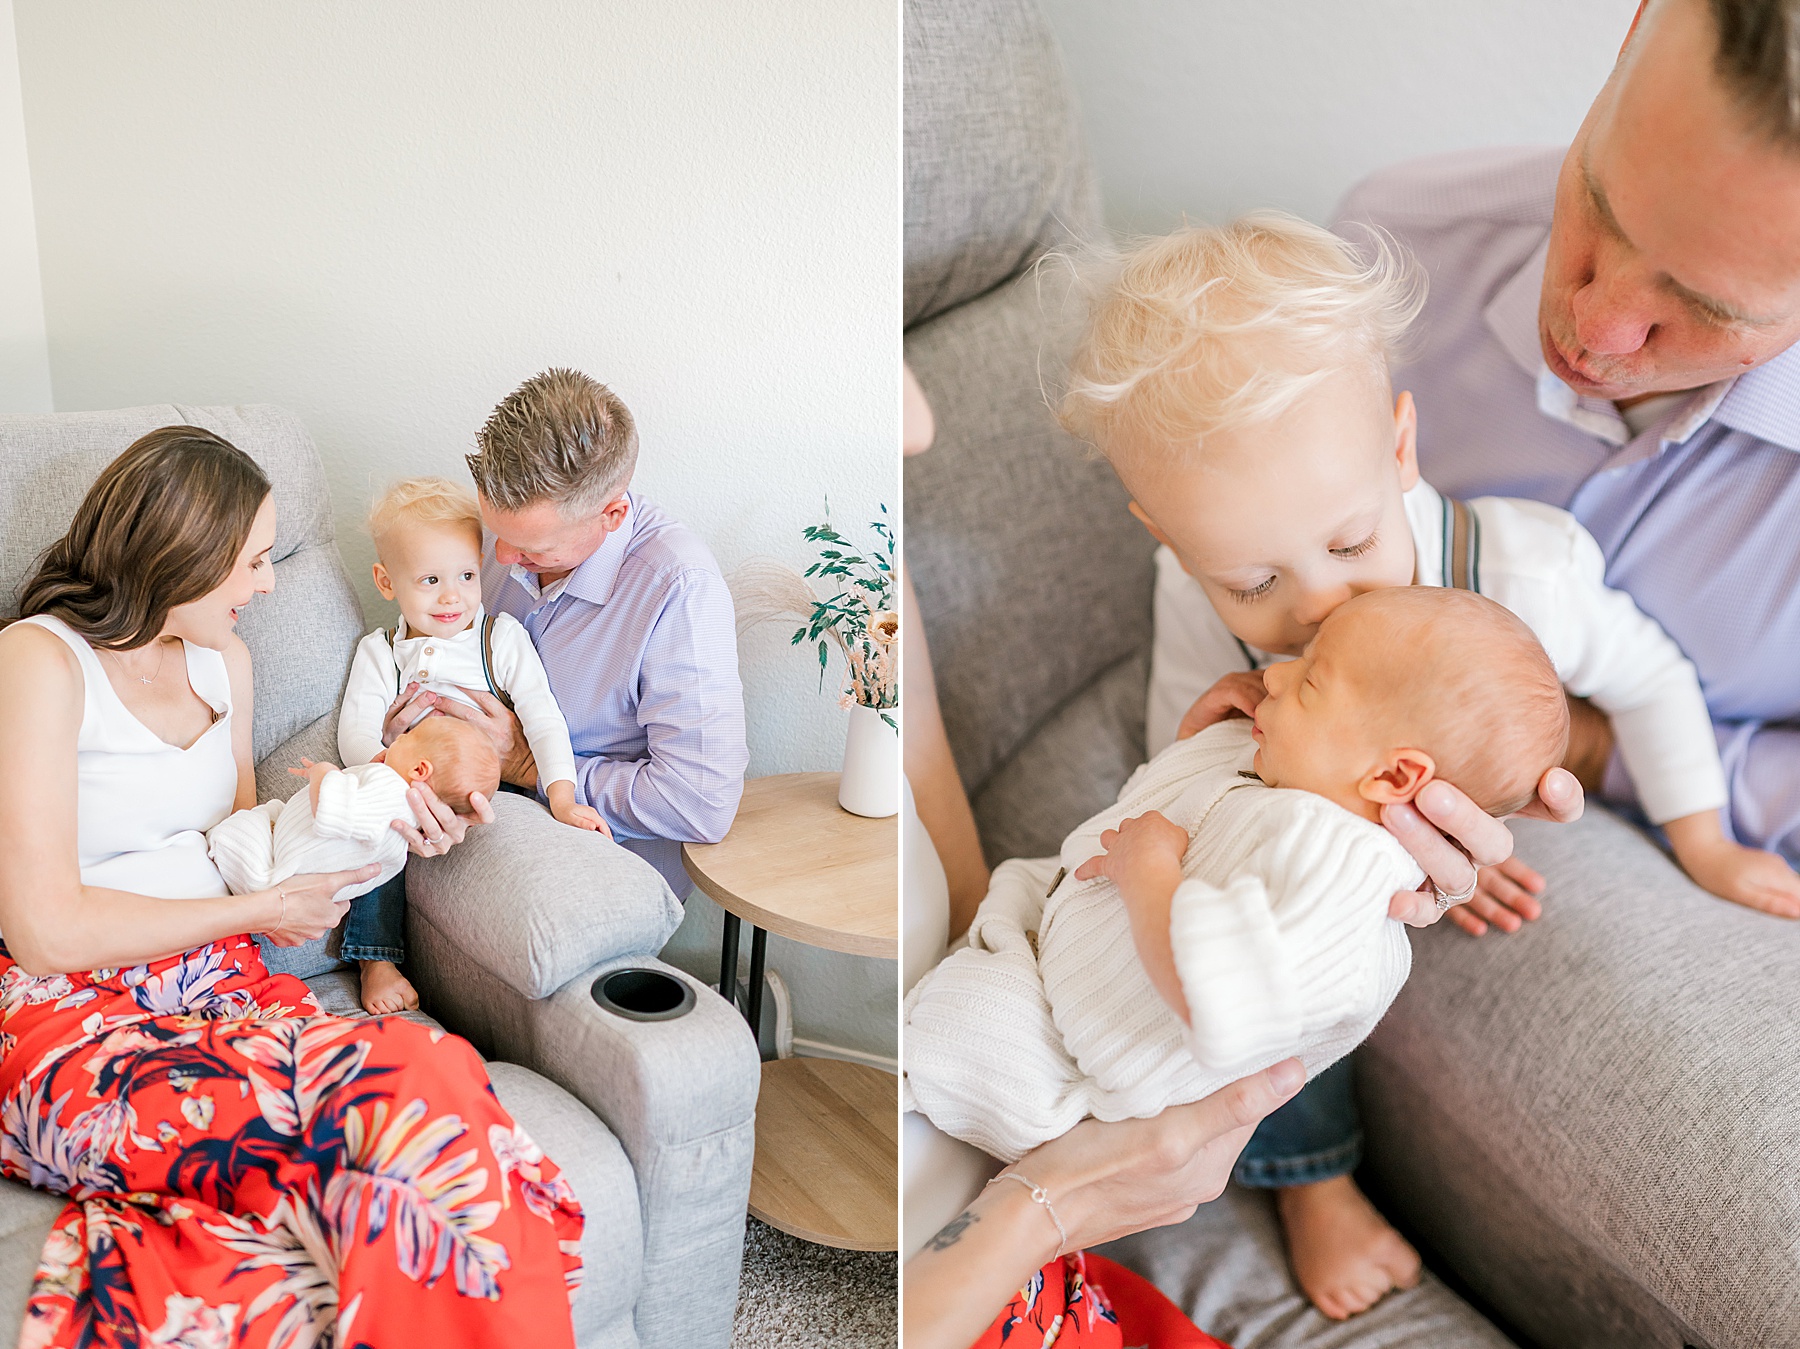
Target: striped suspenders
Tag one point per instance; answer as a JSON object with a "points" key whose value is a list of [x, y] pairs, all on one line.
{"points": [[1462, 546]]}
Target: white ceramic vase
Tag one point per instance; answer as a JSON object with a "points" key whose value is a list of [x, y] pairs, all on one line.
{"points": [[870, 784]]}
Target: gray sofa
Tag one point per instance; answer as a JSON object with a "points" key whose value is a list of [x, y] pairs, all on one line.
{"points": [[1592, 1128], [652, 1121]]}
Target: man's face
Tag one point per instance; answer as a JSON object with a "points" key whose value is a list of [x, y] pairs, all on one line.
{"points": [[541, 539], [1675, 250]]}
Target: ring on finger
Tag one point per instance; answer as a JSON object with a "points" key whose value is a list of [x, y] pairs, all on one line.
{"points": [[1448, 899]]}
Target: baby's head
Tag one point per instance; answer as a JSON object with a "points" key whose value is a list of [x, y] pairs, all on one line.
{"points": [[1237, 380], [451, 756], [1406, 684], [427, 534]]}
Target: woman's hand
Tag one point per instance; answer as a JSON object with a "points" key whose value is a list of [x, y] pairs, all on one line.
{"points": [[1104, 1181], [501, 725], [306, 907], [1449, 836], [1108, 1180], [443, 828], [1235, 695]]}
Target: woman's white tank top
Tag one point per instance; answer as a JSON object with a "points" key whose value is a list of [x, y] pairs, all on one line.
{"points": [[143, 805]]}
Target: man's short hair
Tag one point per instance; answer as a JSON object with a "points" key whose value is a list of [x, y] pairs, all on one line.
{"points": [[1758, 61], [560, 437]]}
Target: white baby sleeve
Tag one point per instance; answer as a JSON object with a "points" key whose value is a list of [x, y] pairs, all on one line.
{"points": [[367, 697], [361, 803], [519, 670], [1290, 946], [242, 846], [1607, 649]]}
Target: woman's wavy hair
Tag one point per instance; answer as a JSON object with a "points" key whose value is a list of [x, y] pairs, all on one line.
{"points": [[161, 526]]}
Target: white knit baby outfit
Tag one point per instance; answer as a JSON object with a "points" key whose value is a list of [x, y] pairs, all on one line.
{"points": [[385, 663], [1281, 939], [261, 847]]}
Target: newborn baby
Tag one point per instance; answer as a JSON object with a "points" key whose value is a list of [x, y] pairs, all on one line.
{"points": [[1231, 909], [342, 820]]}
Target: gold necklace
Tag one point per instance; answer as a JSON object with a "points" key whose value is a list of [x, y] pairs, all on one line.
{"points": [[140, 679]]}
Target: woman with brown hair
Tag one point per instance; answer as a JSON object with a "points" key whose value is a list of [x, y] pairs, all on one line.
{"points": [[243, 1168]]}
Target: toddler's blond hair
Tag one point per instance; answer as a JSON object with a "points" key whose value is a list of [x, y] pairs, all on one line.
{"points": [[1209, 328], [431, 501]]}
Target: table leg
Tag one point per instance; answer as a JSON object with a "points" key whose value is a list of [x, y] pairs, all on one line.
{"points": [[728, 960], [758, 941]]}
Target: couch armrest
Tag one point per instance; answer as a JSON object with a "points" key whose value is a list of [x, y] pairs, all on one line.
{"points": [[679, 1095], [536, 902]]}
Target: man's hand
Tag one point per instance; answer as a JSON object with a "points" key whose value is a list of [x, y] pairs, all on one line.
{"points": [[1235, 695], [502, 727], [1440, 814], [443, 828], [407, 711]]}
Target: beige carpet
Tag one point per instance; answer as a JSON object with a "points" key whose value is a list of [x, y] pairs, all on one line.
{"points": [[795, 1295]]}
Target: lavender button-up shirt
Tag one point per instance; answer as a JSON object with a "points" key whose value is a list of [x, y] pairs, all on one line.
{"points": [[640, 644], [1698, 516]]}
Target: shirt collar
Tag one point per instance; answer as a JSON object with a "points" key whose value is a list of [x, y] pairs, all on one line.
{"points": [[594, 579], [1764, 402]]}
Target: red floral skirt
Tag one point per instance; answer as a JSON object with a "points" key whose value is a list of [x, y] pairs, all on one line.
{"points": [[1085, 1301], [247, 1171]]}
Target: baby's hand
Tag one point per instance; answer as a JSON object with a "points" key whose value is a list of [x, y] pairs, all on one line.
{"points": [[1747, 876], [1236, 695], [312, 771], [1147, 847], [582, 817]]}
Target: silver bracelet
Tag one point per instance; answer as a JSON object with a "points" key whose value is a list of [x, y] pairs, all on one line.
{"points": [[1039, 1195], [280, 922]]}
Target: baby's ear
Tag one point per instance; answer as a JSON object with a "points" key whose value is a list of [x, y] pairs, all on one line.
{"points": [[1399, 779], [422, 771], [385, 586]]}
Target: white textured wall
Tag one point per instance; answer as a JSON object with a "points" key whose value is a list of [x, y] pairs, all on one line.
{"points": [[24, 358], [385, 214], [1215, 107]]}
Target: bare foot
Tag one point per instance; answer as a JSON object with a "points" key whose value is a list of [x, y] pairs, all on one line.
{"points": [[1344, 1253], [385, 989]]}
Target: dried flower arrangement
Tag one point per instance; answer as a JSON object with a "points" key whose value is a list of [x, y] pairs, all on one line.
{"points": [[859, 619]]}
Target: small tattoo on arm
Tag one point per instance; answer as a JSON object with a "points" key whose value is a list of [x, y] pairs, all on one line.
{"points": [[952, 1232]]}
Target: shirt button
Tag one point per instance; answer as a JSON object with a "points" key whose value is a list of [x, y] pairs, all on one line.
{"points": [[423, 674], [431, 651]]}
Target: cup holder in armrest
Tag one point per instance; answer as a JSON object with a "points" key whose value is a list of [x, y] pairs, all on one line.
{"points": [[644, 995]]}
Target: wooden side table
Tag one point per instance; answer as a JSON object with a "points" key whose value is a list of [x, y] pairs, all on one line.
{"points": [[797, 864]]}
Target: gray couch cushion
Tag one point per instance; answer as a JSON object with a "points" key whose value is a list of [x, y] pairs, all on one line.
{"points": [[1071, 769], [612, 1242], [1032, 578], [1616, 1091], [25, 1219], [994, 167], [538, 902], [301, 636]]}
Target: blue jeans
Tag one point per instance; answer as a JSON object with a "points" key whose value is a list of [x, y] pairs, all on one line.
{"points": [[1314, 1137], [375, 927]]}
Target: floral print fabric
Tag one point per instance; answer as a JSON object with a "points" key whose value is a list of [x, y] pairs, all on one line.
{"points": [[245, 1170], [1064, 1307]]}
